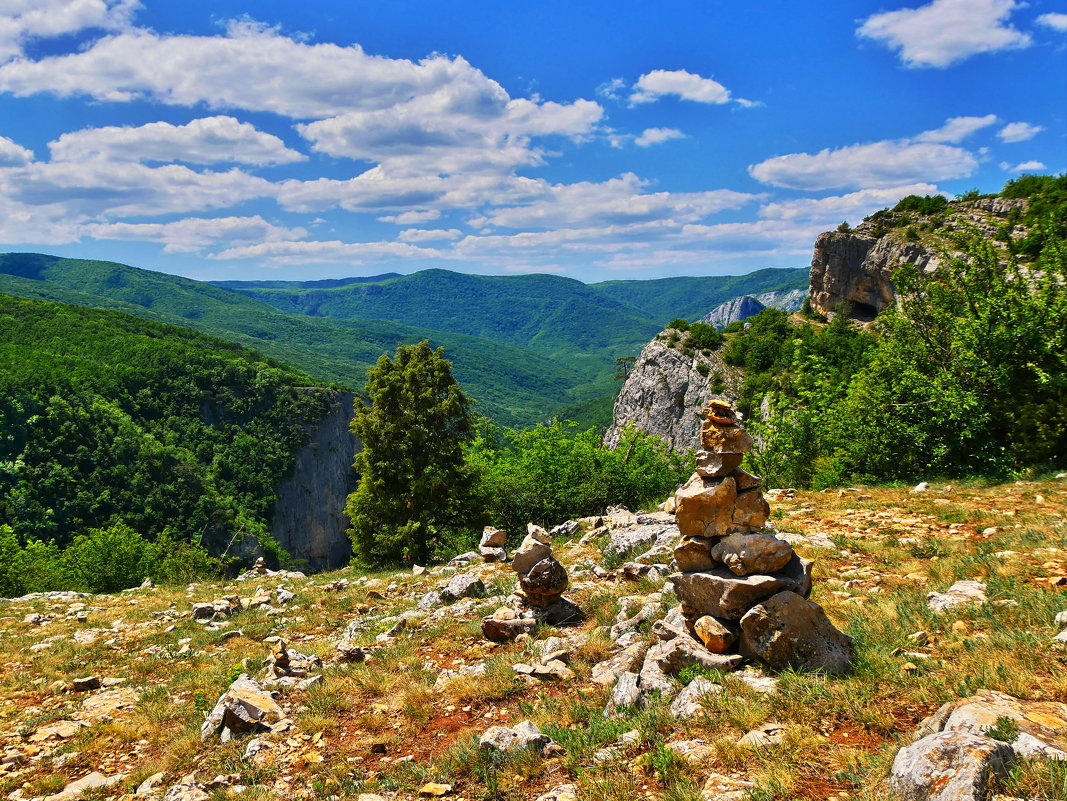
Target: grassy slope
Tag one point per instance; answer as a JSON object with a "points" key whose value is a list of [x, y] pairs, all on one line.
{"points": [[385, 726], [665, 299], [511, 384]]}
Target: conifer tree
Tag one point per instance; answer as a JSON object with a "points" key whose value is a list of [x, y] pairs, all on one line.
{"points": [[414, 485]]}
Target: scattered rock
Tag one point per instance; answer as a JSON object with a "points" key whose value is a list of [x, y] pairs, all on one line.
{"points": [[922, 486], [687, 705], [463, 585], [85, 684], [522, 735], [949, 766], [244, 708], [959, 594], [788, 631], [765, 736], [564, 792]]}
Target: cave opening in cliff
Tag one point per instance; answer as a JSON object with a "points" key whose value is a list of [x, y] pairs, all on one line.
{"points": [[864, 312]]}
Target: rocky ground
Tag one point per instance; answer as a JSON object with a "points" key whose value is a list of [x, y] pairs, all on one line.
{"points": [[383, 685]]}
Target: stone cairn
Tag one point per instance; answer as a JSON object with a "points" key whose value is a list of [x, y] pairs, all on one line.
{"points": [[743, 591], [542, 582]]}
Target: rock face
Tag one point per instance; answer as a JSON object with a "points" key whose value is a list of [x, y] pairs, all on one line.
{"points": [[733, 310], [735, 577], [856, 267], [665, 391], [949, 766], [309, 520]]}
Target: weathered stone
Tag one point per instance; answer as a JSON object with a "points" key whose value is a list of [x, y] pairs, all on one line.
{"points": [[670, 506], [629, 539], [566, 529], [608, 671], [560, 612], [746, 554], [496, 630], [626, 693], [705, 506], [745, 481], [711, 465], [522, 735], [692, 751], [464, 559], [463, 585], [430, 600], [531, 551], [949, 766], [85, 684], [787, 631], [765, 736], [544, 582], [687, 705], [693, 554], [672, 655], [493, 538], [959, 594], [348, 651], [1041, 725], [750, 511], [719, 438], [719, 593], [244, 708], [490, 554], [564, 792], [716, 637]]}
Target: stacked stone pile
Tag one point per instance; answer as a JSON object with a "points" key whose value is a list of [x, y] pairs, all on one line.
{"points": [[743, 590], [542, 582]]}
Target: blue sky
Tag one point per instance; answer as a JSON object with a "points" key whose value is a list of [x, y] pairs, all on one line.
{"points": [[222, 139]]}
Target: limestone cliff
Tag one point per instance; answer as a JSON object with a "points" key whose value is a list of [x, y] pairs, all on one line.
{"points": [[667, 389], [309, 519], [733, 310], [856, 267]]}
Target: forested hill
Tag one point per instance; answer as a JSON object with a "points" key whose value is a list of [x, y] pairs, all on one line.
{"points": [[511, 384], [107, 417]]}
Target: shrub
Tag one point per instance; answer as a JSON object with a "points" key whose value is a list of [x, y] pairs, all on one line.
{"points": [[679, 324], [11, 581], [703, 336], [109, 559]]}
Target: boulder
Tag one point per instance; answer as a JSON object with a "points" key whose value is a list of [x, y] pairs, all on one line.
{"points": [[716, 637], [693, 554], [949, 766], [959, 594], [671, 656], [497, 630], [626, 693], [719, 593], [244, 708], [522, 735], [463, 585], [788, 631], [493, 538], [531, 551], [544, 582], [710, 465], [750, 510], [630, 539], [490, 554], [687, 705], [560, 612], [566, 529], [705, 506], [1041, 725], [746, 554]]}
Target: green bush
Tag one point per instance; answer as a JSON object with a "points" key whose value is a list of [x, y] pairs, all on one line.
{"points": [[109, 559], [679, 324], [703, 336], [11, 581]]}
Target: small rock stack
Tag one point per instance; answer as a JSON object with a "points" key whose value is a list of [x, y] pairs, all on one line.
{"points": [[542, 581], [742, 589]]}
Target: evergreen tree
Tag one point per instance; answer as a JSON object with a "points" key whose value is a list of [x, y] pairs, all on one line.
{"points": [[414, 485]]}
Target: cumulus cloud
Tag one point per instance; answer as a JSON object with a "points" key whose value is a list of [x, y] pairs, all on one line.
{"points": [[196, 233], [12, 154], [956, 129], [655, 136], [203, 141], [1018, 132], [875, 165], [854, 205], [944, 32], [1026, 166], [23, 20], [412, 217], [107, 189], [428, 234], [614, 202], [1054, 20], [683, 84]]}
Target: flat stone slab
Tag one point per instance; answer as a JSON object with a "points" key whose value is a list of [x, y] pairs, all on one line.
{"points": [[720, 593], [961, 593]]}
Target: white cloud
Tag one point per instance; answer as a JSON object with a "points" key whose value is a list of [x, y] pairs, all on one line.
{"points": [[202, 141], [688, 86], [1054, 20], [428, 234], [252, 67], [655, 136], [1018, 132], [97, 188], [614, 202], [943, 32], [412, 217], [956, 129], [324, 252], [613, 89], [23, 20], [196, 233], [1026, 166], [879, 164], [12, 154], [852, 206]]}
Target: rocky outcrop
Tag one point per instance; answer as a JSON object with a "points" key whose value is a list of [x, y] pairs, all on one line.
{"points": [[856, 267], [309, 520], [733, 310], [789, 301], [666, 390]]}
